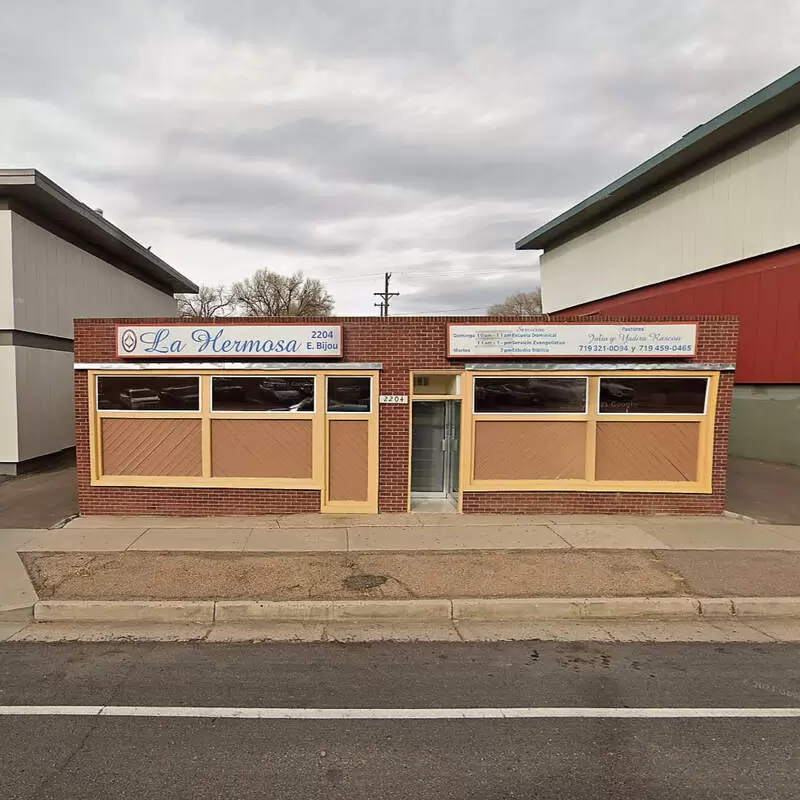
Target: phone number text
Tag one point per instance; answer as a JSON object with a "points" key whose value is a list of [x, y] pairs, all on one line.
{"points": [[635, 348]]}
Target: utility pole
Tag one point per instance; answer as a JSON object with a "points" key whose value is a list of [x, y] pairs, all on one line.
{"points": [[385, 295]]}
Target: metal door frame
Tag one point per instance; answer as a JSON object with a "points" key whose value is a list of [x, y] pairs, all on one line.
{"points": [[452, 454]]}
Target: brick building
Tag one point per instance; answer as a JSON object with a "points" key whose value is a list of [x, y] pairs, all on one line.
{"points": [[364, 414]]}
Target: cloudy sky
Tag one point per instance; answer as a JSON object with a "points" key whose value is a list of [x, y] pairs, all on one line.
{"points": [[349, 137]]}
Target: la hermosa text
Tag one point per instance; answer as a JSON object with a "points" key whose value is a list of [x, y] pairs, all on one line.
{"points": [[160, 341]]}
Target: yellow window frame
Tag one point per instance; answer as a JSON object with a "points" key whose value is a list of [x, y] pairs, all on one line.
{"points": [[319, 418], [705, 450]]}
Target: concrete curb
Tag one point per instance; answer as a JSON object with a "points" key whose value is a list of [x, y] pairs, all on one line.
{"points": [[124, 611], [444, 610], [332, 610], [749, 607], [266, 611]]}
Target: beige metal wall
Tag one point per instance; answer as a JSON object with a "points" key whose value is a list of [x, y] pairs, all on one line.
{"points": [[8, 408], [45, 282], [55, 281], [45, 399], [743, 207], [6, 290]]}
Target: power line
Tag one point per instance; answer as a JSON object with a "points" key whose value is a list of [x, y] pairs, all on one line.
{"points": [[415, 272], [386, 295]]}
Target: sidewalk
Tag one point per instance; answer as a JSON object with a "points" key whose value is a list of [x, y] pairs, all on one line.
{"points": [[411, 532], [487, 570]]}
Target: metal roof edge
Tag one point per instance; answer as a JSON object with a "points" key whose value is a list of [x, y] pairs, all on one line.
{"points": [[18, 177], [540, 238], [41, 183]]}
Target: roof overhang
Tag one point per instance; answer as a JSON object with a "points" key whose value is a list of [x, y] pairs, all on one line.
{"points": [[30, 189], [780, 100]]}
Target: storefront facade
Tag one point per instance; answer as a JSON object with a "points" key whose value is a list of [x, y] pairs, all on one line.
{"points": [[367, 415]]}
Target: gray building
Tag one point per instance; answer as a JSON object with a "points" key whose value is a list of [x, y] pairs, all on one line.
{"points": [[59, 259]]}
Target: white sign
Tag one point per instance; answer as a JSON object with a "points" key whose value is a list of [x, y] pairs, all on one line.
{"points": [[229, 341], [546, 341], [394, 399]]}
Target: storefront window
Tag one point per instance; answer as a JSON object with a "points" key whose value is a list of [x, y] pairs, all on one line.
{"points": [[653, 395], [273, 393], [349, 394], [503, 395], [148, 393]]}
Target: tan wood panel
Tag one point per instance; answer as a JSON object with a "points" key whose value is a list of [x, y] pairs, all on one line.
{"points": [[261, 448], [151, 447], [647, 451], [348, 459], [529, 450]]}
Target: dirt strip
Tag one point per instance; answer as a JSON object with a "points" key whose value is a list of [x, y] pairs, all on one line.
{"points": [[503, 573], [163, 576]]}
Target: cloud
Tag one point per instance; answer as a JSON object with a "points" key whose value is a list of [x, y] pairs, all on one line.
{"points": [[421, 138], [470, 291]]}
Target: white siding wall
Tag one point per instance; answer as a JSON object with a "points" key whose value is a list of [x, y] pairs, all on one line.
{"points": [[8, 408], [45, 397], [55, 281], [6, 290], [743, 207]]}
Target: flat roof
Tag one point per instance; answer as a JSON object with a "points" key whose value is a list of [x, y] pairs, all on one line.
{"points": [[766, 106], [36, 191]]}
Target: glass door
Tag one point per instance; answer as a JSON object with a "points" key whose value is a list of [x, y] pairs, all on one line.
{"points": [[428, 447]]}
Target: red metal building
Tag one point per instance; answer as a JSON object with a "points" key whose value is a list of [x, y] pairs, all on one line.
{"points": [[764, 292], [710, 225]]}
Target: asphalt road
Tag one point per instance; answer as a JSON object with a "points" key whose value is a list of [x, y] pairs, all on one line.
{"points": [[90, 757], [40, 499]]}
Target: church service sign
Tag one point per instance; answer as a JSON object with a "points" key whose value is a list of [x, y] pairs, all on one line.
{"points": [[579, 340], [229, 341]]}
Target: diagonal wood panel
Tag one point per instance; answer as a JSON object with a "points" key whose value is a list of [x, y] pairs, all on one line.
{"points": [[348, 459], [261, 448], [647, 451], [529, 450], [151, 447]]}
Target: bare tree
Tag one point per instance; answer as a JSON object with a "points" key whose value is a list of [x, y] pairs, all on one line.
{"points": [[210, 301], [268, 294], [521, 304]]}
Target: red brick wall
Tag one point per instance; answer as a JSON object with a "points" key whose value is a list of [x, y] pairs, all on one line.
{"points": [[400, 344]]}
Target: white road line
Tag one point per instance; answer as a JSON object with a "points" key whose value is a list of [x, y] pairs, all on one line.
{"points": [[544, 712]]}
